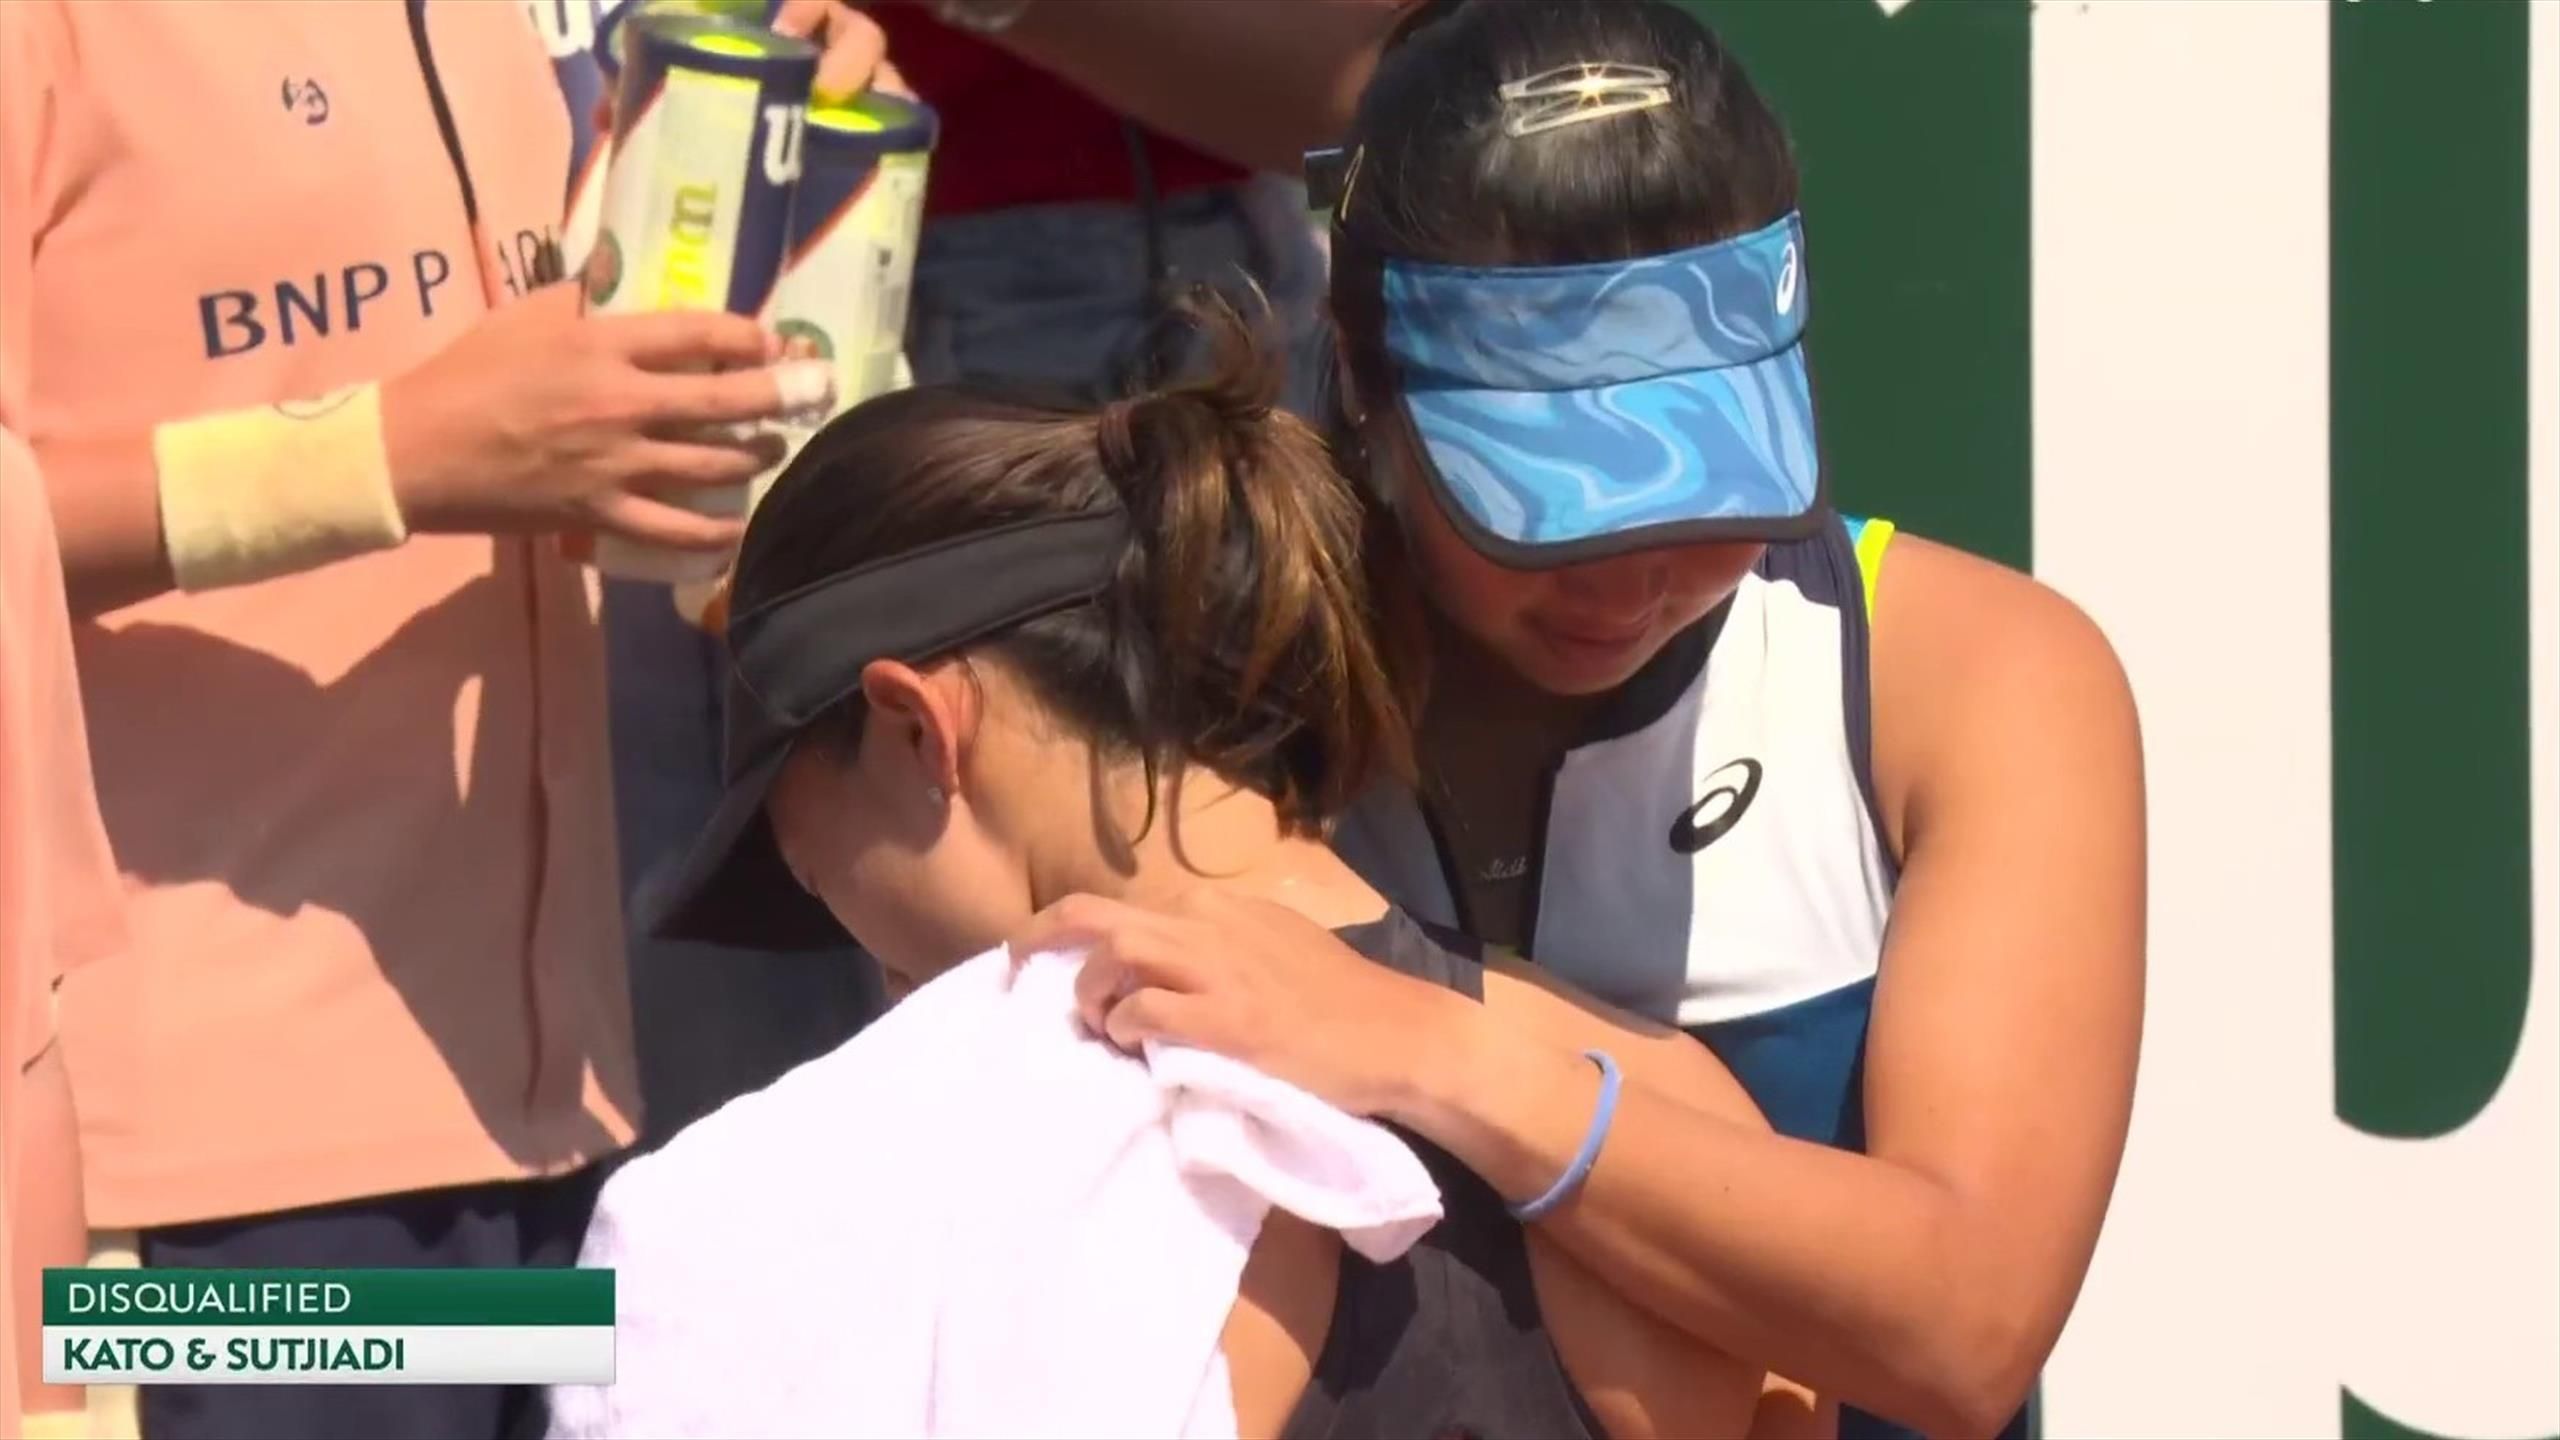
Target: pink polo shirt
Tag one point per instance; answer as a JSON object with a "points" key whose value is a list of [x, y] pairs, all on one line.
{"points": [[59, 910], [362, 811]]}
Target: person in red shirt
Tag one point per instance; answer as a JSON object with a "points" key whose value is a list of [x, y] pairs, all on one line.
{"points": [[1096, 154]]}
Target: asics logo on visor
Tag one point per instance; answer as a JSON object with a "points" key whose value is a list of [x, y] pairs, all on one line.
{"points": [[1787, 282]]}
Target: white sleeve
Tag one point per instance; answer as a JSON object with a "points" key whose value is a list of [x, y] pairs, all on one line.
{"points": [[669, 1316], [778, 1265]]}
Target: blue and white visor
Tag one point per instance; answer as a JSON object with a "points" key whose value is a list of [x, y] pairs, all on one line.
{"points": [[1572, 411]]}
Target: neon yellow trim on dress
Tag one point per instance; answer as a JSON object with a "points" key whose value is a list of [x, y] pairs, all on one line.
{"points": [[1873, 536]]}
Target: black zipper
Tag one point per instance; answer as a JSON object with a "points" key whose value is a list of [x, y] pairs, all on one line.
{"points": [[444, 109], [532, 977], [1451, 875], [1537, 876], [1643, 699]]}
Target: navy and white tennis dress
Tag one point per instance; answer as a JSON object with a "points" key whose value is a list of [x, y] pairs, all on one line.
{"points": [[1712, 853]]}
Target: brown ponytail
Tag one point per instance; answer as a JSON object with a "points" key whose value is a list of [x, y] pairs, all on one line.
{"points": [[1252, 579], [1237, 635]]}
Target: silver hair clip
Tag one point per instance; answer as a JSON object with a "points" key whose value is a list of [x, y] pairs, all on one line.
{"points": [[1572, 94]]}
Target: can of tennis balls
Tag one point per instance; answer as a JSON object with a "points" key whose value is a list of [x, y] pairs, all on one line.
{"points": [[847, 267], [709, 121]]}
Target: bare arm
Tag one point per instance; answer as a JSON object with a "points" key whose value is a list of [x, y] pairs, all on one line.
{"points": [[1257, 980], [536, 420], [1642, 1373], [1257, 82], [106, 517], [1669, 1063], [1660, 1058], [1928, 1278], [1925, 1280]]}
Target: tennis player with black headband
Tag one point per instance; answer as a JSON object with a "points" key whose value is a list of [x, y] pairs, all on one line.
{"points": [[1864, 817], [988, 653]]}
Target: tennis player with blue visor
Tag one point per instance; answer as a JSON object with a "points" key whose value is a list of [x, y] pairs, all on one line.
{"points": [[1860, 813]]}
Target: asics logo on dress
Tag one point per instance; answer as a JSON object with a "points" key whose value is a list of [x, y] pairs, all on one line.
{"points": [[1720, 809]]}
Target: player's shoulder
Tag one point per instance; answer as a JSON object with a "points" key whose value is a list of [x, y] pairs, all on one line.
{"points": [[717, 1170], [688, 1230], [1962, 615], [803, 1132], [1971, 658]]}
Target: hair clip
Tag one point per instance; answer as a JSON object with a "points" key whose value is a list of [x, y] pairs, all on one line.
{"points": [[1330, 174], [1350, 182], [1324, 168], [1572, 94]]}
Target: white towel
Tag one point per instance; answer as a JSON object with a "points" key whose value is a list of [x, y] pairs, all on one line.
{"points": [[972, 1220]]}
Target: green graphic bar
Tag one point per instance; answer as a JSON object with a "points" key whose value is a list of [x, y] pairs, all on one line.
{"points": [[299, 1298], [1911, 129], [2427, 556]]}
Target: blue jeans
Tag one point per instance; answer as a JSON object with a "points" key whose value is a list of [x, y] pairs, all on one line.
{"points": [[1060, 293], [1052, 293], [498, 1225]]}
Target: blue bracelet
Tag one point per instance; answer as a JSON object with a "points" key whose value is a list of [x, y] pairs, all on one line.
{"points": [[1592, 1139]]}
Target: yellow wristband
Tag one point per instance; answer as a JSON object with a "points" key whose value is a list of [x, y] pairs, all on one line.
{"points": [[252, 494], [55, 1424]]}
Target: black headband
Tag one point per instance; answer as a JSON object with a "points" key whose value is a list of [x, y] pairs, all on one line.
{"points": [[800, 654]]}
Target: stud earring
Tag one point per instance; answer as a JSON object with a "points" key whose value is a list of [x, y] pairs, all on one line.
{"points": [[934, 794]]}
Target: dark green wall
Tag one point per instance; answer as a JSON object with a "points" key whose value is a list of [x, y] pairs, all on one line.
{"points": [[2434, 886], [1911, 130]]}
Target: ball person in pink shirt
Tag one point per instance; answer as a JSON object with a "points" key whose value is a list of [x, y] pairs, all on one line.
{"points": [[59, 910], [276, 316]]}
